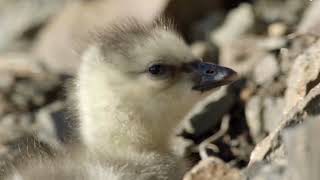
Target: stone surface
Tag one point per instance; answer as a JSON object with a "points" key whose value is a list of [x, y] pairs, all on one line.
{"points": [[18, 17], [303, 147], [209, 113], [254, 117], [302, 159], [310, 22], [272, 113], [304, 75], [213, 169], [46, 129], [242, 54], [193, 18], [266, 70], [238, 22], [266, 171], [15, 126], [287, 11], [61, 55], [271, 148]]}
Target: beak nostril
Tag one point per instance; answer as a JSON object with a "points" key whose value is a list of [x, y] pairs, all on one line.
{"points": [[209, 71]]}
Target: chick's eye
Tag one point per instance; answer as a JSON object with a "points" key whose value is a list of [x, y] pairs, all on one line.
{"points": [[158, 69]]}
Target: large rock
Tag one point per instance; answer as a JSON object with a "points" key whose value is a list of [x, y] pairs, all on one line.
{"points": [[238, 22], [271, 148], [208, 114], [303, 146], [254, 120], [287, 11], [26, 123], [266, 70], [213, 169], [65, 38], [248, 52], [310, 22], [302, 159], [19, 16], [304, 75]]}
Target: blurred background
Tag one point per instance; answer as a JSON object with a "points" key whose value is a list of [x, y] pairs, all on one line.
{"points": [[272, 44]]}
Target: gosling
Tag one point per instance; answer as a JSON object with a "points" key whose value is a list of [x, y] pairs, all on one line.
{"points": [[135, 85]]}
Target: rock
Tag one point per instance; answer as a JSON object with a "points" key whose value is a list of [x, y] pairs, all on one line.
{"points": [[201, 29], [266, 171], [253, 112], [245, 53], [188, 14], [266, 70], [242, 54], [213, 169], [272, 43], [302, 159], [4, 106], [6, 81], [65, 38], [20, 64], [13, 126], [263, 114], [272, 113], [310, 23], [199, 49], [303, 147], [271, 148], [209, 113], [277, 29], [287, 11], [303, 76], [18, 17], [26, 81], [46, 129], [205, 51], [26, 87], [238, 22], [182, 147]]}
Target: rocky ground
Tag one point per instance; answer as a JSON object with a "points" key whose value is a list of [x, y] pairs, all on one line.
{"points": [[262, 127]]}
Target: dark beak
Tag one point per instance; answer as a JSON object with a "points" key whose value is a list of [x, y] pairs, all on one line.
{"points": [[207, 76]]}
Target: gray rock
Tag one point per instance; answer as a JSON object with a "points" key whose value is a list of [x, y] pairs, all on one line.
{"points": [[303, 76], [209, 113], [266, 171], [18, 16], [288, 11], [238, 22], [4, 106], [46, 129], [253, 112], [6, 81], [303, 147], [242, 54], [272, 113], [213, 169], [310, 22], [271, 148], [263, 114], [21, 64], [66, 37], [302, 159], [14, 126], [266, 70]]}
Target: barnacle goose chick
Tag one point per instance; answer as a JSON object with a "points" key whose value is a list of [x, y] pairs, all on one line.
{"points": [[135, 85]]}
